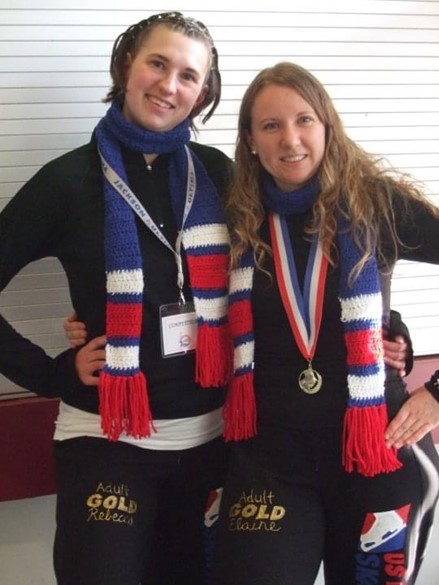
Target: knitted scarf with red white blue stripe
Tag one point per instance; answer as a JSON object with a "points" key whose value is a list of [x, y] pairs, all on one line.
{"points": [[364, 447], [123, 395]]}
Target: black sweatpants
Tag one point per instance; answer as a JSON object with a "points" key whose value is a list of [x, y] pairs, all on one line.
{"points": [[131, 516], [285, 511]]}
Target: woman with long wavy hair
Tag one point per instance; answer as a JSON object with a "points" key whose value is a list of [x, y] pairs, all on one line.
{"points": [[333, 459]]}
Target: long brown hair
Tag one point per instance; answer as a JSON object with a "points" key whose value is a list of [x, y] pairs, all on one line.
{"points": [[132, 40], [352, 182]]}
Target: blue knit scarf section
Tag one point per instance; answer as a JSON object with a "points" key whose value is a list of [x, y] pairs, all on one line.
{"points": [[121, 240], [360, 299], [292, 202], [124, 404]]}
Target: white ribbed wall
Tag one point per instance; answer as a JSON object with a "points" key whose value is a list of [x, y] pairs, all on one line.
{"points": [[379, 60]]}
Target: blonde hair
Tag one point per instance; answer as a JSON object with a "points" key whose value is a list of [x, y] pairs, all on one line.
{"points": [[352, 182]]}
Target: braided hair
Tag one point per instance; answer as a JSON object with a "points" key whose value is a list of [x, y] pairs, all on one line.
{"points": [[132, 39]]}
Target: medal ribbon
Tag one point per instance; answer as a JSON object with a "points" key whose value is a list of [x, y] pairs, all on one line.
{"points": [[304, 311]]}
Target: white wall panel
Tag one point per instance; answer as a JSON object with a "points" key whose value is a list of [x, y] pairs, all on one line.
{"points": [[379, 60]]}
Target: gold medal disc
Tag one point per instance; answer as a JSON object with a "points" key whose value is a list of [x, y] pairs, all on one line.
{"points": [[310, 381]]}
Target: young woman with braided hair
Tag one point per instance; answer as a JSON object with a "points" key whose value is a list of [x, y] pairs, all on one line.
{"points": [[333, 461], [135, 217]]}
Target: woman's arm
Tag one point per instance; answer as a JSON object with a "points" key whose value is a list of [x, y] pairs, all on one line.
{"points": [[418, 231], [28, 226], [418, 416]]}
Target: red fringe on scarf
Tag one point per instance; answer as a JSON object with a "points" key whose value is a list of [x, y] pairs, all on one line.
{"points": [[364, 447], [214, 356], [124, 406], [240, 409]]}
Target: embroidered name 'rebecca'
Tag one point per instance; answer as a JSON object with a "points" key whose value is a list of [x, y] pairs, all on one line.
{"points": [[111, 504]]}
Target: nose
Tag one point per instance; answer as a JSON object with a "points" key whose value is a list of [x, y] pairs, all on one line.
{"points": [[168, 83], [290, 135]]}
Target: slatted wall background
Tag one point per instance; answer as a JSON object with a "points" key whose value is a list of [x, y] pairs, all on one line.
{"points": [[379, 60]]}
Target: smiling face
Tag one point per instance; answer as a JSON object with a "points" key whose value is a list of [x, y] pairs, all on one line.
{"points": [[165, 80], [287, 136]]}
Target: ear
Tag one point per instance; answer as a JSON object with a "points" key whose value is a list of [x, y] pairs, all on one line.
{"points": [[128, 61], [249, 140], [126, 71], [201, 97]]}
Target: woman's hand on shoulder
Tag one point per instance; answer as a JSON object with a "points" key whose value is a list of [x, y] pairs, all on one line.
{"points": [[74, 330], [396, 352], [90, 359], [417, 416]]}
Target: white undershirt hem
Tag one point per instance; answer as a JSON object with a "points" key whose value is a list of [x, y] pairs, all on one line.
{"points": [[172, 434]]}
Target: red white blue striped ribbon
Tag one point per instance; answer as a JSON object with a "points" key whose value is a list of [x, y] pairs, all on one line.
{"points": [[304, 310]]}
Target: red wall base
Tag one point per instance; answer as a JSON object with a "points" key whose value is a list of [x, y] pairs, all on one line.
{"points": [[26, 437]]}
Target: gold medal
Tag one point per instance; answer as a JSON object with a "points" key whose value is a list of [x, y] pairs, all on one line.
{"points": [[310, 381], [303, 308]]}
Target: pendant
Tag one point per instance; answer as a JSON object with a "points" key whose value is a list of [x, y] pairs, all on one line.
{"points": [[310, 381]]}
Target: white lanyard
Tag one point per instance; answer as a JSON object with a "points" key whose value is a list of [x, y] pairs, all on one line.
{"points": [[122, 188]]}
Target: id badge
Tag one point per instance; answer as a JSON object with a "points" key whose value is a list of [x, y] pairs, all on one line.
{"points": [[178, 329]]}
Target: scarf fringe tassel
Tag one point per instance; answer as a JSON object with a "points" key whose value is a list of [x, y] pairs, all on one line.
{"points": [[240, 409], [214, 356], [124, 406], [364, 446]]}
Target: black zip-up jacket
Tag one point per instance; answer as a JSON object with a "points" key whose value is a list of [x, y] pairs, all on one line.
{"points": [[60, 213]]}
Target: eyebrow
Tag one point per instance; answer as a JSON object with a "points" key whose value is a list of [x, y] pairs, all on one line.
{"points": [[303, 113], [167, 60]]}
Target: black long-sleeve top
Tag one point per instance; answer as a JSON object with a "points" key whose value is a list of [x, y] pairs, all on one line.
{"points": [[60, 213]]}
